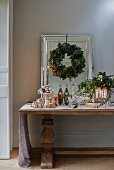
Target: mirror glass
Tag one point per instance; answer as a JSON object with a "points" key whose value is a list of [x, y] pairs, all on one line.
{"points": [[49, 43]]}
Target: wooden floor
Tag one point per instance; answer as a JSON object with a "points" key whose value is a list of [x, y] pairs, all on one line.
{"points": [[62, 163]]}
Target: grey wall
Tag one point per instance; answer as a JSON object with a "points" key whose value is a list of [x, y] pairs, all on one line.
{"points": [[35, 17]]}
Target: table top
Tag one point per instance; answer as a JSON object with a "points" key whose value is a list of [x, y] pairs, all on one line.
{"points": [[88, 109]]}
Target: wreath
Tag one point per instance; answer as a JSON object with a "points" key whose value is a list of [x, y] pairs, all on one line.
{"points": [[77, 61]]}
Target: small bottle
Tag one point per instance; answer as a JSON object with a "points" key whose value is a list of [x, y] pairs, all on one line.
{"points": [[60, 95], [66, 95]]}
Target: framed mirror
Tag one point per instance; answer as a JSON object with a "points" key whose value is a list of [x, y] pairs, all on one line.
{"points": [[49, 43]]}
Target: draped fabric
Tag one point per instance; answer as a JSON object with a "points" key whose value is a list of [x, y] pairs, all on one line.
{"points": [[24, 142]]}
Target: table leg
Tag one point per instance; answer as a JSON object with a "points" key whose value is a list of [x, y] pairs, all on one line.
{"points": [[47, 141]]}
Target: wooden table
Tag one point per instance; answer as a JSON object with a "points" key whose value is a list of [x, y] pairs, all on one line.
{"points": [[47, 134]]}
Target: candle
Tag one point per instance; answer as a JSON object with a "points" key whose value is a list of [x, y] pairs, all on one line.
{"points": [[96, 94], [105, 93], [102, 94], [99, 93]]}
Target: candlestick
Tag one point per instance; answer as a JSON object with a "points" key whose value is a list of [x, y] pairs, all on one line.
{"points": [[73, 90], [42, 76], [66, 38], [47, 73]]}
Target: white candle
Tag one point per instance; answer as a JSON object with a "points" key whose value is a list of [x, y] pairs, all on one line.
{"points": [[105, 93], [99, 93], [96, 94], [102, 95]]}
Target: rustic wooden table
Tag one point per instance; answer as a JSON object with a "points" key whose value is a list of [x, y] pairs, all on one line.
{"points": [[47, 134]]}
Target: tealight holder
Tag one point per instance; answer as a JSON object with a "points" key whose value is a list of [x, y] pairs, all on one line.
{"points": [[101, 94], [40, 102], [47, 96]]}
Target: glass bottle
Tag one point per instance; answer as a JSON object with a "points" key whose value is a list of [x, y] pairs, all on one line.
{"points": [[60, 95], [66, 95]]}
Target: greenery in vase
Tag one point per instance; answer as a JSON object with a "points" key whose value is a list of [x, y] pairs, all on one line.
{"points": [[85, 87], [100, 81]]}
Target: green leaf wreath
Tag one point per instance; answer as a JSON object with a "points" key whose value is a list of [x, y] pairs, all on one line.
{"points": [[77, 61]]}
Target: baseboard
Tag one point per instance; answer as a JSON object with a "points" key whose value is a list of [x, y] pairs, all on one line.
{"points": [[99, 151], [4, 157], [84, 151]]}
